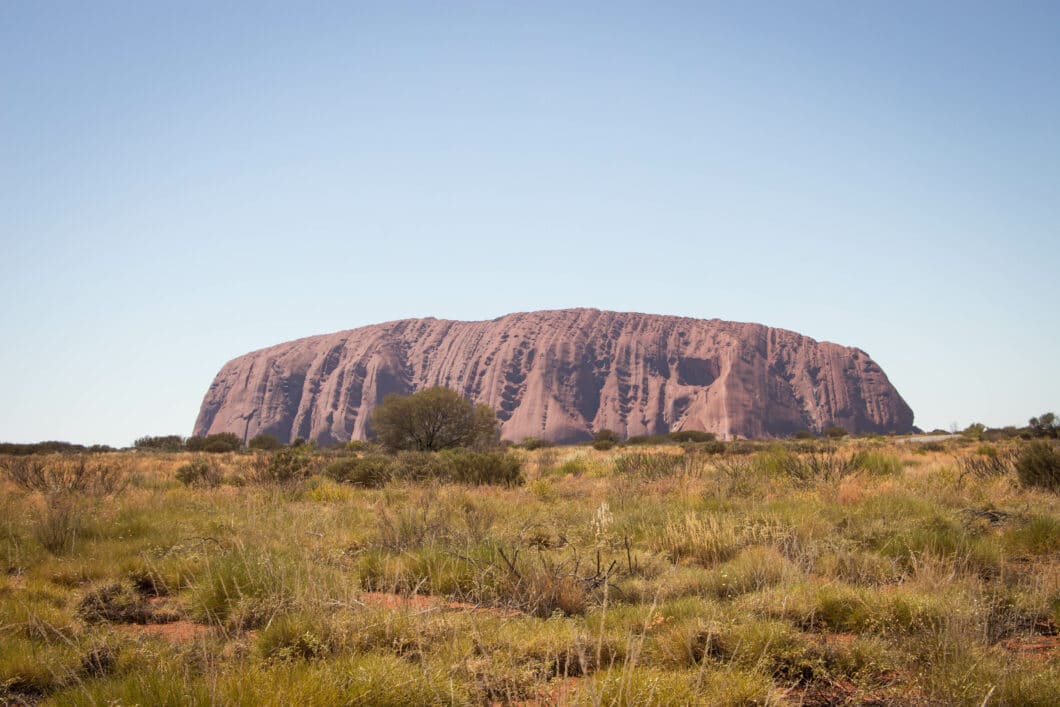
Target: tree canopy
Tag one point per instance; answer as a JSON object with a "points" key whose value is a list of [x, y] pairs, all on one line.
{"points": [[1045, 426], [433, 419]]}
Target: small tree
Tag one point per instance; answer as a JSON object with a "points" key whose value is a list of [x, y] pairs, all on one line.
{"points": [[604, 439], [835, 432], [433, 419], [1045, 426]]}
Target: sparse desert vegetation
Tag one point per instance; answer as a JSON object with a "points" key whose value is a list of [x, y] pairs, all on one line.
{"points": [[840, 571]]}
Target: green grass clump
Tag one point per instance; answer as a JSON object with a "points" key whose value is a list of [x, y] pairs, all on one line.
{"points": [[248, 587], [877, 464], [753, 569], [1038, 536], [703, 539]]}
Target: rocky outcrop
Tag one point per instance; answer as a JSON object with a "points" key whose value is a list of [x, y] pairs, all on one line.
{"points": [[560, 375]]}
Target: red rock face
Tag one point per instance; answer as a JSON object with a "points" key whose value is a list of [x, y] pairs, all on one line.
{"points": [[559, 376]]}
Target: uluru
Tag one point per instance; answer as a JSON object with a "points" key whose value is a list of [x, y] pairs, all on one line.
{"points": [[560, 376]]}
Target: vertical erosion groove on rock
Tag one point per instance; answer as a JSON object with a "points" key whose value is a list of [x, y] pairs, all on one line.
{"points": [[560, 375]]}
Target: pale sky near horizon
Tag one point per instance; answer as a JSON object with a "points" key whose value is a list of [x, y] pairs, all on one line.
{"points": [[183, 182]]}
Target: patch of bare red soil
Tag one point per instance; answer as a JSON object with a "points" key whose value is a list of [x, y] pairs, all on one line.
{"points": [[556, 693], [844, 692], [1041, 646]]}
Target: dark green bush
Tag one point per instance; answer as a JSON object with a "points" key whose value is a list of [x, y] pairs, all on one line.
{"points": [[532, 443], [199, 472], [470, 467], [636, 440], [370, 471], [264, 442], [215, 444], [1038, 465], [835, 432], [168, 443], [692, 436], [418, 466], [604, 439], [744, 446], [461, 466], [712, 447], [288, 465], [41, 448]]}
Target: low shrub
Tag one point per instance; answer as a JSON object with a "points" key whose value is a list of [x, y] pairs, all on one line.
{"points": [[691, 436], [711, 447], [532, 443], [215, 444], [67, 485], [370, 471], [987, 462], [61, 522], [199, 472], [167, 443], [604, 439], [285, 466], [649, 465], [83, 476], [477, 468], [461, 466], [637, 440], [572, 467], [827, 465], [264, 442], [1038, 465]]}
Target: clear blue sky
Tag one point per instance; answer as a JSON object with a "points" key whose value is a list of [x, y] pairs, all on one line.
{"points": [[182, 182]]}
